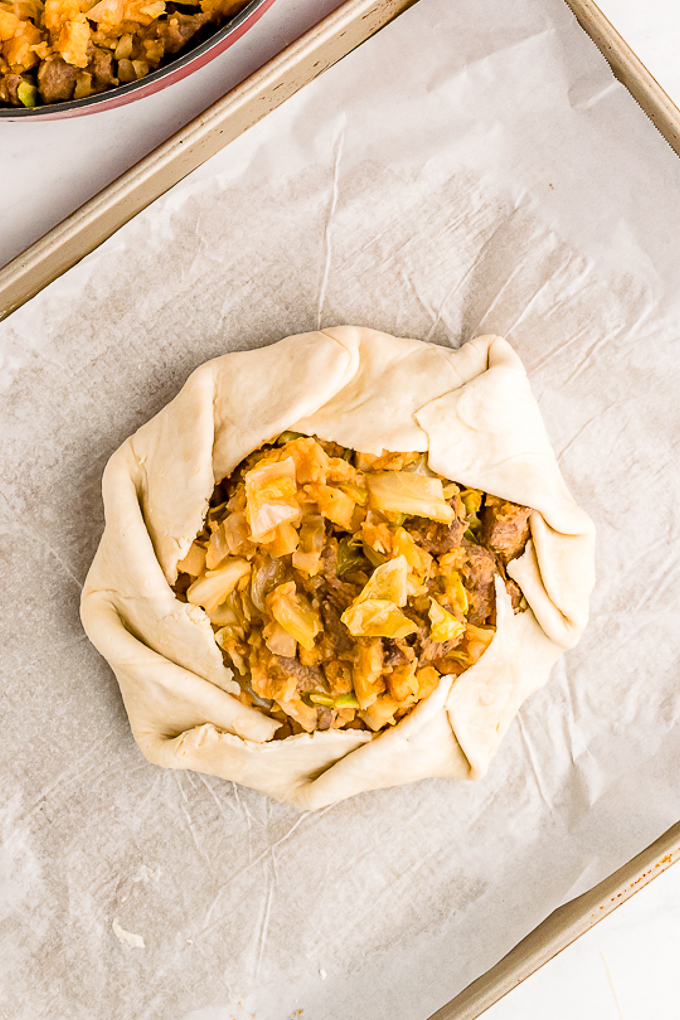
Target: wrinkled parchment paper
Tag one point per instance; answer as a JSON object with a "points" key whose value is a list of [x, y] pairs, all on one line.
{"points": [[473, 168]]}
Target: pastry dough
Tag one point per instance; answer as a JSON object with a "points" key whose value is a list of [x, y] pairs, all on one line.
{"points": [[472, 411]]}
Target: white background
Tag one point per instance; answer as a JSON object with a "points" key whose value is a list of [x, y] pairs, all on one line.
{"points": [[625, 968]]}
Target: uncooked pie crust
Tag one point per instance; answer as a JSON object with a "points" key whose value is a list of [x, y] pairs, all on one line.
{"points": [[473, 412]]}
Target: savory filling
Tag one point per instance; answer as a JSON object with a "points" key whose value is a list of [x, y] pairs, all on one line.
{"points": [[52, 51], [341, 585]]}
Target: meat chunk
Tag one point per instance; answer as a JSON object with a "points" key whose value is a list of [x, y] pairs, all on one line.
{"points": [[101, 68], [336, 637], [505, 527], [431, 650], [12, 83], [397, 652], [434, 537], [515, 593], [337, 593], [178, 29], [478, 577], [56, 80], [307, 678]]}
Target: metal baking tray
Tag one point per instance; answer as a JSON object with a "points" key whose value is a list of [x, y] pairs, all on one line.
{"points": [[80, 233]]}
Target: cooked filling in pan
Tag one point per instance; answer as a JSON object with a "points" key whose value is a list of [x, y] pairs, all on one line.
{"points": [[342, 585], [52, 51]]}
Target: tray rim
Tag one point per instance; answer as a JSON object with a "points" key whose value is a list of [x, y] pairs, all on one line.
{"points": [[80, 233], [563, 927]]}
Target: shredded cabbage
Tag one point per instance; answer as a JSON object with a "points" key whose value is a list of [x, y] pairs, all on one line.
{"points": [[212, 589], [411, 494], [387, 582], [444, 626], [377, 618], [270, 496], [288, 609]]}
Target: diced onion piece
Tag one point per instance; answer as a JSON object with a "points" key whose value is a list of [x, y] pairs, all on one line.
{"points": [[387, 582], [270, 496], [411, 494], [194, 561], [444, 626], [286, 608], [377, 618], [229, 639], [212, 589]]}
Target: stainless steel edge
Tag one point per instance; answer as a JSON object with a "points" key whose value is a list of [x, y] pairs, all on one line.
{"points": [[95, 221]]}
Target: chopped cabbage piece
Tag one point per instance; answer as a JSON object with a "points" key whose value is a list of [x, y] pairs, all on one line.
{"points": [[278, 640], [311, 460], [282, 541], [377, 618], [194, 561], [307, 556], [416, 557], [334, 504], [411, 494], [217, 549], [356, 492], [444, 626], [381, 712], [212, 589], [387, 582], [455, 590], [294, 616], [367, 672], [270, 496], [478, 640], [428, 679], [402, 683]]}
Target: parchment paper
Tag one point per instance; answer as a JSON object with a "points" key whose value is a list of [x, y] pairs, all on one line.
{"points": [[473, 168]]}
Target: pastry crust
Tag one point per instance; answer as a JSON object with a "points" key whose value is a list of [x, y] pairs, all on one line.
{"points": [[472, 411]]}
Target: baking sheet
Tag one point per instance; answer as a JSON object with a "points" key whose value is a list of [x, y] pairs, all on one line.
{"points": [[468, 170]]}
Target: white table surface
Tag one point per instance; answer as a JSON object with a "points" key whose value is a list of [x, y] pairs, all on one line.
{"points": [[626, 967]]}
